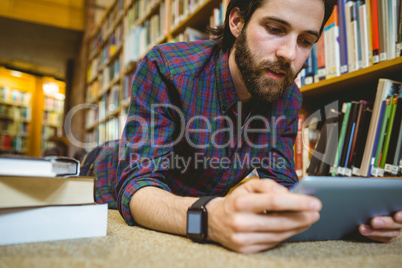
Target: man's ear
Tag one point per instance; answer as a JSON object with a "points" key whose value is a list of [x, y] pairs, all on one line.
{"points": [[236, 22]]}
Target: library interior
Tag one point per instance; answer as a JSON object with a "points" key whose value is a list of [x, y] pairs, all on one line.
{"points": [[66, 74]]}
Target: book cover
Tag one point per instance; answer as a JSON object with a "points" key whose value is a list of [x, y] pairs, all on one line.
{"points": [[364, 35], [52, 223], [361, 107], [394, 139], [361, 141], [331, 137], [350, 129], [32, 166], [387, 134], [350, 32], [375, 31], [332, 46], [384, 88], [25, 191], [385, 122], [357, 30], [346, 112], [321, 72], [344, 66], [383, 28], [299, 147], [399, 28]]}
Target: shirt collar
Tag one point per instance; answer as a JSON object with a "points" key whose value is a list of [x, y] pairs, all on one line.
{"points": [[224, 83]]}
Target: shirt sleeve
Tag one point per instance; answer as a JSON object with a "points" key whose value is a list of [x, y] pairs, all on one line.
{"points": [[282, 167], [148, 134]]}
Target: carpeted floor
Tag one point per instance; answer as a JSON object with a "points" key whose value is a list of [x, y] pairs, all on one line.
{"points": [[126, 246]]}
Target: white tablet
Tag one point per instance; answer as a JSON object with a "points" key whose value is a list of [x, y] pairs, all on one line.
{"points": [[347, 203]]}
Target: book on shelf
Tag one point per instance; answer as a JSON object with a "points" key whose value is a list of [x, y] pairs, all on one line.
{"points": [[324, 153], [37, 224], [365, 140], [360, 137], [344, 65], [30, 191], [44, 167], [332, 46], [385, 88], [299, 147], [391, 162]]}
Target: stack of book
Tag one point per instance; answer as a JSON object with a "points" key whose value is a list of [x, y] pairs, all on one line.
{"points": [[363, 139], [45, 200]]}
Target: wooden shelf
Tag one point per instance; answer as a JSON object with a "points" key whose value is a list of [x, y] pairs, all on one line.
{"points": [[153, 10], [196, 18], [372, 73], [14, 104]]}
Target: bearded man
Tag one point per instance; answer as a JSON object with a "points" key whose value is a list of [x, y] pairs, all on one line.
{"points": [[203, 115]]}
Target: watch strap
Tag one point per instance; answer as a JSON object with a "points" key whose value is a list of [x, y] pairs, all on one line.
{"points": [[202, 202]]}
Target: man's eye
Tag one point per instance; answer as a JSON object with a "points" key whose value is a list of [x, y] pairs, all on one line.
{"points": [[273, 30], [305, 42]]}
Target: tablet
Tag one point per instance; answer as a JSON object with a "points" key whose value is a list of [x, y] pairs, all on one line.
{"points": [[347, 203]]}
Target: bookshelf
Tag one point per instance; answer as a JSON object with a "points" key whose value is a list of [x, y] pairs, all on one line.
{"points": [[15, 111], [126, 32], [29, 116], [53, 112]]}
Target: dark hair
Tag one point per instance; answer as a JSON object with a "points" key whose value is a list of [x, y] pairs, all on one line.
{"points": [[224, 36]]}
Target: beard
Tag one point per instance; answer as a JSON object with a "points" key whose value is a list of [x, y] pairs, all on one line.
{"points": [[258, 84]]}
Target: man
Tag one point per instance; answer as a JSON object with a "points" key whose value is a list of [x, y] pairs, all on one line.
{"points": [[203, 115]]}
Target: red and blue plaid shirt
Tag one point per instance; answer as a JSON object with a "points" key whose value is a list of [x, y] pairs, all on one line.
{"points": [[185, 133]]}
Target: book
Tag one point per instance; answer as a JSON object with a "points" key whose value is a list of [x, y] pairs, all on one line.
{"points": [[383, 28], [27, 225], [299, 147], [357, 33], [22, 191], [45, 167], [344, 66], [350, 33], [387, 134], [346, 150], [335, 167], [391, 165], [399, 29], [357, 132], [384, 89], [365, 36], [321, 72], [331, 45], [375, 31], [361, 140], [380, 141], [332, 136]]}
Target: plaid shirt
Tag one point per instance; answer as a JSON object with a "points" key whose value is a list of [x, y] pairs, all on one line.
{"points": [[184, 131]]}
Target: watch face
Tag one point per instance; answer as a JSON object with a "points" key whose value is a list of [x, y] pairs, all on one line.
{"points": [[194, 222]]}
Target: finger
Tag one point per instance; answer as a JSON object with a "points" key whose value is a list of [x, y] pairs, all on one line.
{"points": [[385, 223], [398, 217], [263, 186], [375, 234], [248, 239], [257, 203], [275, 222], [254, 248]]}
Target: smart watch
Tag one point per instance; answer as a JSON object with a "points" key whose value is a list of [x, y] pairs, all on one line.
{"points": [[197, 220]]}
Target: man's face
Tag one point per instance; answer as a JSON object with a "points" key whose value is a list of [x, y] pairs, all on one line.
{"points": [[272, 48]]}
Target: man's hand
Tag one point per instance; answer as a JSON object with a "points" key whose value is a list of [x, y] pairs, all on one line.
{"points": [[383, 229], [258, 215]]}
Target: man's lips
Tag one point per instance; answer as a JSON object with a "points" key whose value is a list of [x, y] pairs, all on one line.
{"points": [[276, 74]]}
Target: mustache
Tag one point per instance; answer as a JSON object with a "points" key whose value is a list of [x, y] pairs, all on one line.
{"points": [[277, 65]]}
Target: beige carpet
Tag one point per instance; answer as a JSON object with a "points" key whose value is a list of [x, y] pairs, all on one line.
{"points": [[126, 246]]}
